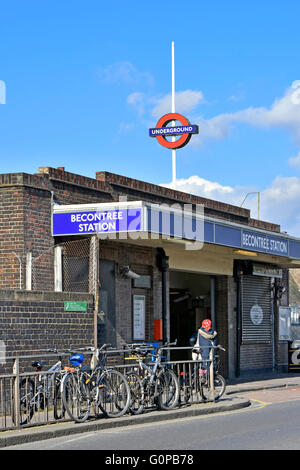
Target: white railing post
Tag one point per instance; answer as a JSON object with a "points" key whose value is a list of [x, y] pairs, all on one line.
{"points": [[16, 392]]}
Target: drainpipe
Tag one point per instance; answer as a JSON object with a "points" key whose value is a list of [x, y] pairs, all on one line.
{"points": [[238, 321], [213, 301], [163, 265]]}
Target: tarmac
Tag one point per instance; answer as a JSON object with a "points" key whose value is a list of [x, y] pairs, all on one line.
{"points": [[232, 400]]}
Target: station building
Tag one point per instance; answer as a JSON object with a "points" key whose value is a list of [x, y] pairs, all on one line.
{"points": [[113, 259]]}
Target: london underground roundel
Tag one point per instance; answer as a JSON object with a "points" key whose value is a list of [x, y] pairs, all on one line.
{"points": [[162, 131]]}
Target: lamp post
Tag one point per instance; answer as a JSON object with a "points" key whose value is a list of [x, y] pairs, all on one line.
{"points": [[258, 202]]}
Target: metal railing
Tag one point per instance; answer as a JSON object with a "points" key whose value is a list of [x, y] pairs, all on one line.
{"points": [[44, 412]]}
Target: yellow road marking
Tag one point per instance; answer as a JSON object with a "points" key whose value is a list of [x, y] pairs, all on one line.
{"points": [[262, 403]]}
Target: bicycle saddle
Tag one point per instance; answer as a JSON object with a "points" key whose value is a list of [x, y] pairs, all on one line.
{"points": [[38, 364]]}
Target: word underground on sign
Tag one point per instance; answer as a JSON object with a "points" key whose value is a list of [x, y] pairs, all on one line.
{"points": [[161, 131]]}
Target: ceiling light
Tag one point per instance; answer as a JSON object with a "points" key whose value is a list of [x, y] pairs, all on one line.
{"points": [[245, 253]]}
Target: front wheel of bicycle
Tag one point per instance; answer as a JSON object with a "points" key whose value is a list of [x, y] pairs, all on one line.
{"points": [[113, 394], [167, 389], [76, 397], [27, 402], [58, 404], [219, 388], [137, 393]]}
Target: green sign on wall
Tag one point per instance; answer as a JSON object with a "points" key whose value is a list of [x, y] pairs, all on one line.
{"points": [[72, 306]]}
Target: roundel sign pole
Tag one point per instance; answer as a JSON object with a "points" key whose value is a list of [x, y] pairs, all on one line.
{"points": [[184, 130]]}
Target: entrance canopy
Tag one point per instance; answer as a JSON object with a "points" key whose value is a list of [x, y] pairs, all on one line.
{"points": [[142, 221]]}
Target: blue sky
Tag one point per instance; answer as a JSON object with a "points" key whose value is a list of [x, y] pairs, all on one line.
{"points": [[85, 81]]}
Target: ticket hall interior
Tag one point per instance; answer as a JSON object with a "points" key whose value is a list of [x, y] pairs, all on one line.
{"points": [[191, 300]]}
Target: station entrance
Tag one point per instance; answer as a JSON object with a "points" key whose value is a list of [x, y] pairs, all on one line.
{"points": [[192, 299]]}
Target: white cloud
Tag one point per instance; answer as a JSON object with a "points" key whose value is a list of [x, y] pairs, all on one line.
{"points": [[295, 161], [211, 189], [185, 101], [124, 72], [279, 203], [284, 113], [136, 99], [125, 127]]}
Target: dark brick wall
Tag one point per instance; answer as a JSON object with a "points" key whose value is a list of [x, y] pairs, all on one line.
{"points": [[32, 321]]}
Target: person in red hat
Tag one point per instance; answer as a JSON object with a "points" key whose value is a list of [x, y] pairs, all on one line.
{"points": [[202, 340]]}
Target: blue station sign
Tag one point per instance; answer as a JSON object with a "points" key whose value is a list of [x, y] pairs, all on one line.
{"points": [[265, 243], [91, 222]]}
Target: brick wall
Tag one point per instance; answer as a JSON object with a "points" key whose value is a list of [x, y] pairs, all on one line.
{"points": [[11, 237], [31, 321]]}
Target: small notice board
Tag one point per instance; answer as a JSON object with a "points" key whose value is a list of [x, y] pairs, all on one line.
{"points": [[139, 314], [74, 306]]}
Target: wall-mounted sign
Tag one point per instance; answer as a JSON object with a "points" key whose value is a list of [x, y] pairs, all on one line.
{"points": [[162, 131], [266, 271], [294, 358], [73, 306], [284, 327], [265, 243], [102, 221], [143, 282], [139, 315], [256, 314]]}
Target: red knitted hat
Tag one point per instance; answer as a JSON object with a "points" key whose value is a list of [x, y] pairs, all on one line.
{"points": [[206, 324]]}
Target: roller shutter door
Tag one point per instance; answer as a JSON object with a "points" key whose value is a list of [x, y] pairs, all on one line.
{"points": [[256, 347]]}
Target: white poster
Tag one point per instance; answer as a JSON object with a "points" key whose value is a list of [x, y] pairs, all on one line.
{"points": [[284, 323], [139, 302]]}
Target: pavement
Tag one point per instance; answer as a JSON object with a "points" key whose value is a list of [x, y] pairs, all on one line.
{"points": [[232, 400]]}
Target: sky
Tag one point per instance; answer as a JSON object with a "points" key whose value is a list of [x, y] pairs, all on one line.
{"points": [[81, 83]]}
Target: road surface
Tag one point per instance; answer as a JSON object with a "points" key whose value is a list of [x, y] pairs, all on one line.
{"points": [[272, 422]]}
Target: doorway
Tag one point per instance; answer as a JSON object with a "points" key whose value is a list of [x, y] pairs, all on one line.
{"points": [[190, 302]]}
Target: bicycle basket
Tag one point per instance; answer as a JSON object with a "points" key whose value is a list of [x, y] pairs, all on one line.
{"points": [[76, 359]]}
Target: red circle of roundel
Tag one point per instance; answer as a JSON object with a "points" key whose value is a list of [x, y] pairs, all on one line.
{"points": [[164, 121]]}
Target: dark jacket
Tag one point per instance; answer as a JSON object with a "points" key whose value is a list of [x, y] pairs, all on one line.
{"points": [[205, 340]]}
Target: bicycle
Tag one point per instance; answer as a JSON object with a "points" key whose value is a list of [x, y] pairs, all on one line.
{"points": [[199, 381], [153, 384], [108, 389], [208, 392], [34, 398]]}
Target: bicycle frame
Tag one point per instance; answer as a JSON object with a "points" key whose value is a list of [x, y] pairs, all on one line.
{"points": [[152, 371], [56, 367]]}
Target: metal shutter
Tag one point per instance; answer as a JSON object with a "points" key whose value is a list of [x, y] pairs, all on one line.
{"points": [[256, 291]]}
